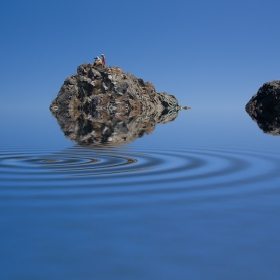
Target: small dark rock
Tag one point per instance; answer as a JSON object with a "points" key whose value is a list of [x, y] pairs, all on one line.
{"points": [[264, 108]]}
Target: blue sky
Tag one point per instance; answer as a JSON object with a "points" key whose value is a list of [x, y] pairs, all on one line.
{"points": [[203, 52]]}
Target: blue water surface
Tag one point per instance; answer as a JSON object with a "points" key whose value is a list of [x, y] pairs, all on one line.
{"points": [[196, 199]]}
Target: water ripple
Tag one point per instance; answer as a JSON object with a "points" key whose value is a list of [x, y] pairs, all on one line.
{"points": [[105, 171]]}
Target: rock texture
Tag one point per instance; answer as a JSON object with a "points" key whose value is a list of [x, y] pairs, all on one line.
{"points": [[106, 105], [264, 108]]}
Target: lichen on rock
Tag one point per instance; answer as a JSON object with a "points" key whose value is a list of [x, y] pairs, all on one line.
{"points": [[106, 105]]}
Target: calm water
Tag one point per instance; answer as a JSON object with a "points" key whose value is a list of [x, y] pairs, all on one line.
{"points": [[196, 199]]}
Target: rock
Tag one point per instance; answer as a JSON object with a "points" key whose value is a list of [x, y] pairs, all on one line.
{"points": [[94, 73], [70, 81], [264, 107], [106, 105]]}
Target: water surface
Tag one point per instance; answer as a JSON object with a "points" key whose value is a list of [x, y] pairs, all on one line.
{"points": [[197, 199]]}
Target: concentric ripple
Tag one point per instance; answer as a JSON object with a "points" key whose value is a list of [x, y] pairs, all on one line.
{"points": [[105, 171]]}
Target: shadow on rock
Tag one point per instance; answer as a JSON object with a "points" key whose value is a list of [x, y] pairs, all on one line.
{"points": [[264, 108], [105, 105]]}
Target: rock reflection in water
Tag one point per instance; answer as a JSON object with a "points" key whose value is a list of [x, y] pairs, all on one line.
{"points": [[105, 105], [101, 127], [264, 108]]}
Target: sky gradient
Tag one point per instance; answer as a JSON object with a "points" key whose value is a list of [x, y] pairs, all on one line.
{"points": [[203, 52]]}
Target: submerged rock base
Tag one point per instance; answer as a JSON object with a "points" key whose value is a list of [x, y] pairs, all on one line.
{"points": [[106, 105], [264, 108]]}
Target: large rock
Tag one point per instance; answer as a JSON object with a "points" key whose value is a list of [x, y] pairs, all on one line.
{"points": [[264, 108], [106, 105]]}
